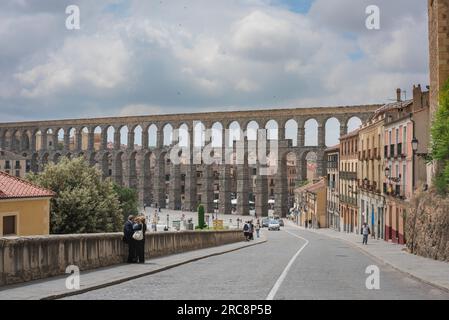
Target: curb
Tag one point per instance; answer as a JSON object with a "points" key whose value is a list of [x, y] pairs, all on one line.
{"points": [[381, 260], [141, 275]]}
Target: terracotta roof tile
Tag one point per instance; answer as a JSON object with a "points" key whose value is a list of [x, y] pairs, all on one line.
{"points": [[16, 188]]}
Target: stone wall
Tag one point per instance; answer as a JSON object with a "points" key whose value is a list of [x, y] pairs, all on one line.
{"points": [[29, 258], [427, 226]]}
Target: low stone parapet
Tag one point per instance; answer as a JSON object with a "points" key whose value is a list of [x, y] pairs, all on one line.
{"points": [[30, 258]]}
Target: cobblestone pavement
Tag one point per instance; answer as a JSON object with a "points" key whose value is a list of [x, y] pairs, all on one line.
{"points": [[318, 267]]}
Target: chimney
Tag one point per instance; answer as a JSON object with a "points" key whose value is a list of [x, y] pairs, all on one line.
{"points": [[398, 94]]}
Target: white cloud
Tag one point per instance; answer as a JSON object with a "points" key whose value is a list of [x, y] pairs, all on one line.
{"points": [[182, 56], [84, 61]]}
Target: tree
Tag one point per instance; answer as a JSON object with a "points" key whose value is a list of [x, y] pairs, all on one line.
{"points": [[83, 202], [201, 223], [440, 140], [128, 199]]}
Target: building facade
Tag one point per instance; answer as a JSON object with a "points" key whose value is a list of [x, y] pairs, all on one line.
{"points": [[371, 202], [349, 220], [14, 164], [333, 187], [311, 200], [24, 208], [405, 123]]}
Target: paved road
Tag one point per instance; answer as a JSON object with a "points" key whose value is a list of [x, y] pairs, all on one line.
{"points": [[324, 268]]}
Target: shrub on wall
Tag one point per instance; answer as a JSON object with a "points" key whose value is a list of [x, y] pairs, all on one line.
{"points": [[201, 223], [440, 141]]}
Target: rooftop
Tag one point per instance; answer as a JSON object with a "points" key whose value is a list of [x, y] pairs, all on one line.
{"points": [[16, 188]]}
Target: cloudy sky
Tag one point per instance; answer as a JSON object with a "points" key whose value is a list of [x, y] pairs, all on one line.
{"points": [[167, 56]]}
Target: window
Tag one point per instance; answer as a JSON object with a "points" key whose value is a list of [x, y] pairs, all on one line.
{"points": [[404, 140], [9, 225], [397, 135]]}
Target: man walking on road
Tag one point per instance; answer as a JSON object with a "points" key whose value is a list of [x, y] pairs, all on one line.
{"points": [[365, 232]]}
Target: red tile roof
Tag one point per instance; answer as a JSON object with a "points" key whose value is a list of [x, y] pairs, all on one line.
{"points": [[16, 188]]}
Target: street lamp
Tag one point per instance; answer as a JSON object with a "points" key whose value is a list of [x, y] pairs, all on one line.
{"points": [[415, 144], [168, 220]]}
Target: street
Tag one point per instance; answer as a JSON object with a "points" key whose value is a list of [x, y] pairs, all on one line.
{"points": [[293, 264]]}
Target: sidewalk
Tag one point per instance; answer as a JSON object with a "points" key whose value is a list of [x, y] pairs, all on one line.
{"points": [[54, 288], [430, 271]]}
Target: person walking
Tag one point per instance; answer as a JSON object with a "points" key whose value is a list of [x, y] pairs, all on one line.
{"points": [[258, 229], [246, 230], [140, 226], [251, 232], [365, 232], [128, 239]]}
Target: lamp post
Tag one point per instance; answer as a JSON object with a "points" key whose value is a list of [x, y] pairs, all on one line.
{"points": [[168, 221]]}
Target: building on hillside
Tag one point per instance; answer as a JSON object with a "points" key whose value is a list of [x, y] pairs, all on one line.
{"points": [[403, 170], [311, 200], [349, 220], [14, 164], [24, 207], [333, 187]]}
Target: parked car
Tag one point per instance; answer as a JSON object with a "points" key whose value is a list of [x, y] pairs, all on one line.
{"points": [[265, 223], [274, 225], [281, 222]]}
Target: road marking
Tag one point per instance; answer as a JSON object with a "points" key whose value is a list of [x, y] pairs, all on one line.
{"points": [[281, 279]]}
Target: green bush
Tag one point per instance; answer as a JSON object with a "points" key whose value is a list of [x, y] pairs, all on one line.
{"points": [[129, 201], [201, 223], [440, 141], [84, 203]]}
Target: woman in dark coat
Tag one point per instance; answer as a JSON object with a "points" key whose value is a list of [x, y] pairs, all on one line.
{"points": [[140, 244]]}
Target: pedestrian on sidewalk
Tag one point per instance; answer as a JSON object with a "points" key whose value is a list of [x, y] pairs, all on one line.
{"points": [[246, 231], [258, 229], [140, 228], [128, 239], [251, 233], [365, 232]]}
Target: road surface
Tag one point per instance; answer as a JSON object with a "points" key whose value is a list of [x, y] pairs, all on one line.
{"points": [[293, 264]]}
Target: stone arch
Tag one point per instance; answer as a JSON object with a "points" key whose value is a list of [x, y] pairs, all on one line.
{"points": [[235, 132], [25, 140], [123, 132], [199, 134], [291, 131], [131, 170], [353, 123], [147, 167], [252, 130], [138, 136], [167, 134], [109, 132], [152, 135], [217, 134], [106, 164], [311, 132], [45, 160], [272, 127], [35, 162], [117, 168], [332, 127]]}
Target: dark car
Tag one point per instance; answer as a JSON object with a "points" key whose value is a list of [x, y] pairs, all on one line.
{"points": [[281, 222]]}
